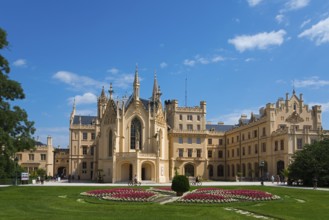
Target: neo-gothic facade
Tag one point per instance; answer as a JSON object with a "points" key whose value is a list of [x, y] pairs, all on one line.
{"points": [[142, 137]]}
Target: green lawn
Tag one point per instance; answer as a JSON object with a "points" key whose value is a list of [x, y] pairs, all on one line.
{"points": [[52, 202]]}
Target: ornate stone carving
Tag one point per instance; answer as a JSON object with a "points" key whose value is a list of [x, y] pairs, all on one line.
{"points": [[294, 118]]}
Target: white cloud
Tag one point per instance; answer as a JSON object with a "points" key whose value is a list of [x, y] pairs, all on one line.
{"points": [[20, 63], [188, 62], [163, 65], [113, 70], [78, 82], [258, 41], [233, 118], [253, 3], [295, 5], [249, 59], [122, 81], [305, 23], [318, 32], [313, 82], [87, 98], [279, 18], [203, 60]]}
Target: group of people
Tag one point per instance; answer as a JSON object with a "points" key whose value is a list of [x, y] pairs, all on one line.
{"points": [[277, 178]]}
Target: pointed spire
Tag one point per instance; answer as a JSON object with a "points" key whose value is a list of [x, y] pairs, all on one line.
{"points": [[136, 84], [111, 91], [155, 88], [103, 92]]}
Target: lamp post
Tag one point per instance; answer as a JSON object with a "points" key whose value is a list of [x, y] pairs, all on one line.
{"points": [[261, 165], [15, 169]]}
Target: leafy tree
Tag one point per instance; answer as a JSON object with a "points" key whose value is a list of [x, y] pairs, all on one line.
{"points": [[180, 184], [15, 128], [311, 162]]}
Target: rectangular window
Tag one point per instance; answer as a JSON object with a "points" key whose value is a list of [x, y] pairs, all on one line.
{"points": [[264, 147], [243, 137], [220, 141], [190, 127], [281, 144], [248, 135], [209, 153], [189, 152], [243, 151], [228, 141], [43, 156], [198, 140], [84, 135], [84, 165], [180, 127], [264, 131], [93, 136], [198, 153], [180, 152], [255, 133], [198, 127], [256, 149], [84, 150], [276, 146], [237, 138], [238, 152], [232, 152], [91, 165], [189, 117], [228, 153], [189, 140], [198, 117], [180, 140], [249, 149], [299, 143], [180, 117], [220, 154], [209, 141], [232, 140], [92, 150], [31, 157]]}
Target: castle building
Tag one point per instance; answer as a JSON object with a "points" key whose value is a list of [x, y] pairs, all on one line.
{"points": [[41, 157], [137, 136]]}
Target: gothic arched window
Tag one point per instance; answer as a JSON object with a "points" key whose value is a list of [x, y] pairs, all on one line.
{"points": [[136, 134]]}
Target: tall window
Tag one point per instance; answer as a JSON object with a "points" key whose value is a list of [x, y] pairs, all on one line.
{"points": [[180, 152], [198, 127], [180, 117], [220, 141], [299, 143], [220, 170], [84, 135], [198, 153], [135, 134], [110, 143], [189, 117], [220, 154], [198, 140], [92, 150], [189, 152], [209, 153], [256, 149], [190, 127], [180, 140], [281, 144], [84, 150], [263, 147], [209, 141], [189, 140], [93, 136], [198, 117], [276, 145], [180, 127], [84, 165]]}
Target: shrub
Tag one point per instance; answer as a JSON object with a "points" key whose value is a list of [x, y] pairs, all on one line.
{"points": [[180, 184]]}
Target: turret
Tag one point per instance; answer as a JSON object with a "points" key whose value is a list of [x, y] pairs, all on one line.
{"points": [[102, 100], [136, 85]]}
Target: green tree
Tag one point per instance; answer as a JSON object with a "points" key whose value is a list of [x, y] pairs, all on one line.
{"points": [[15, 128], [180, 184], [312, 161]]}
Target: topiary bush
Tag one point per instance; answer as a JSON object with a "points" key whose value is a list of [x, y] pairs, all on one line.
{"points": [[180, 184]]}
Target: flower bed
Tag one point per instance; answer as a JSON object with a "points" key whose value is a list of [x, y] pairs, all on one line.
{"points": [[163, 190], [217, 195], [122, 194]]}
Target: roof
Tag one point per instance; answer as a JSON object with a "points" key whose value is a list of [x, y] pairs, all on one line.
{"points": [[85, 120], [221, 128]]}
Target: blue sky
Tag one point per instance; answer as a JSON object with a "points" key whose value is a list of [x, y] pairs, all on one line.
{"points": [[237, 55]]}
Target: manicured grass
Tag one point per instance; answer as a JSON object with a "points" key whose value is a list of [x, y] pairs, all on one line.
{"points": [[54, 202]]}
